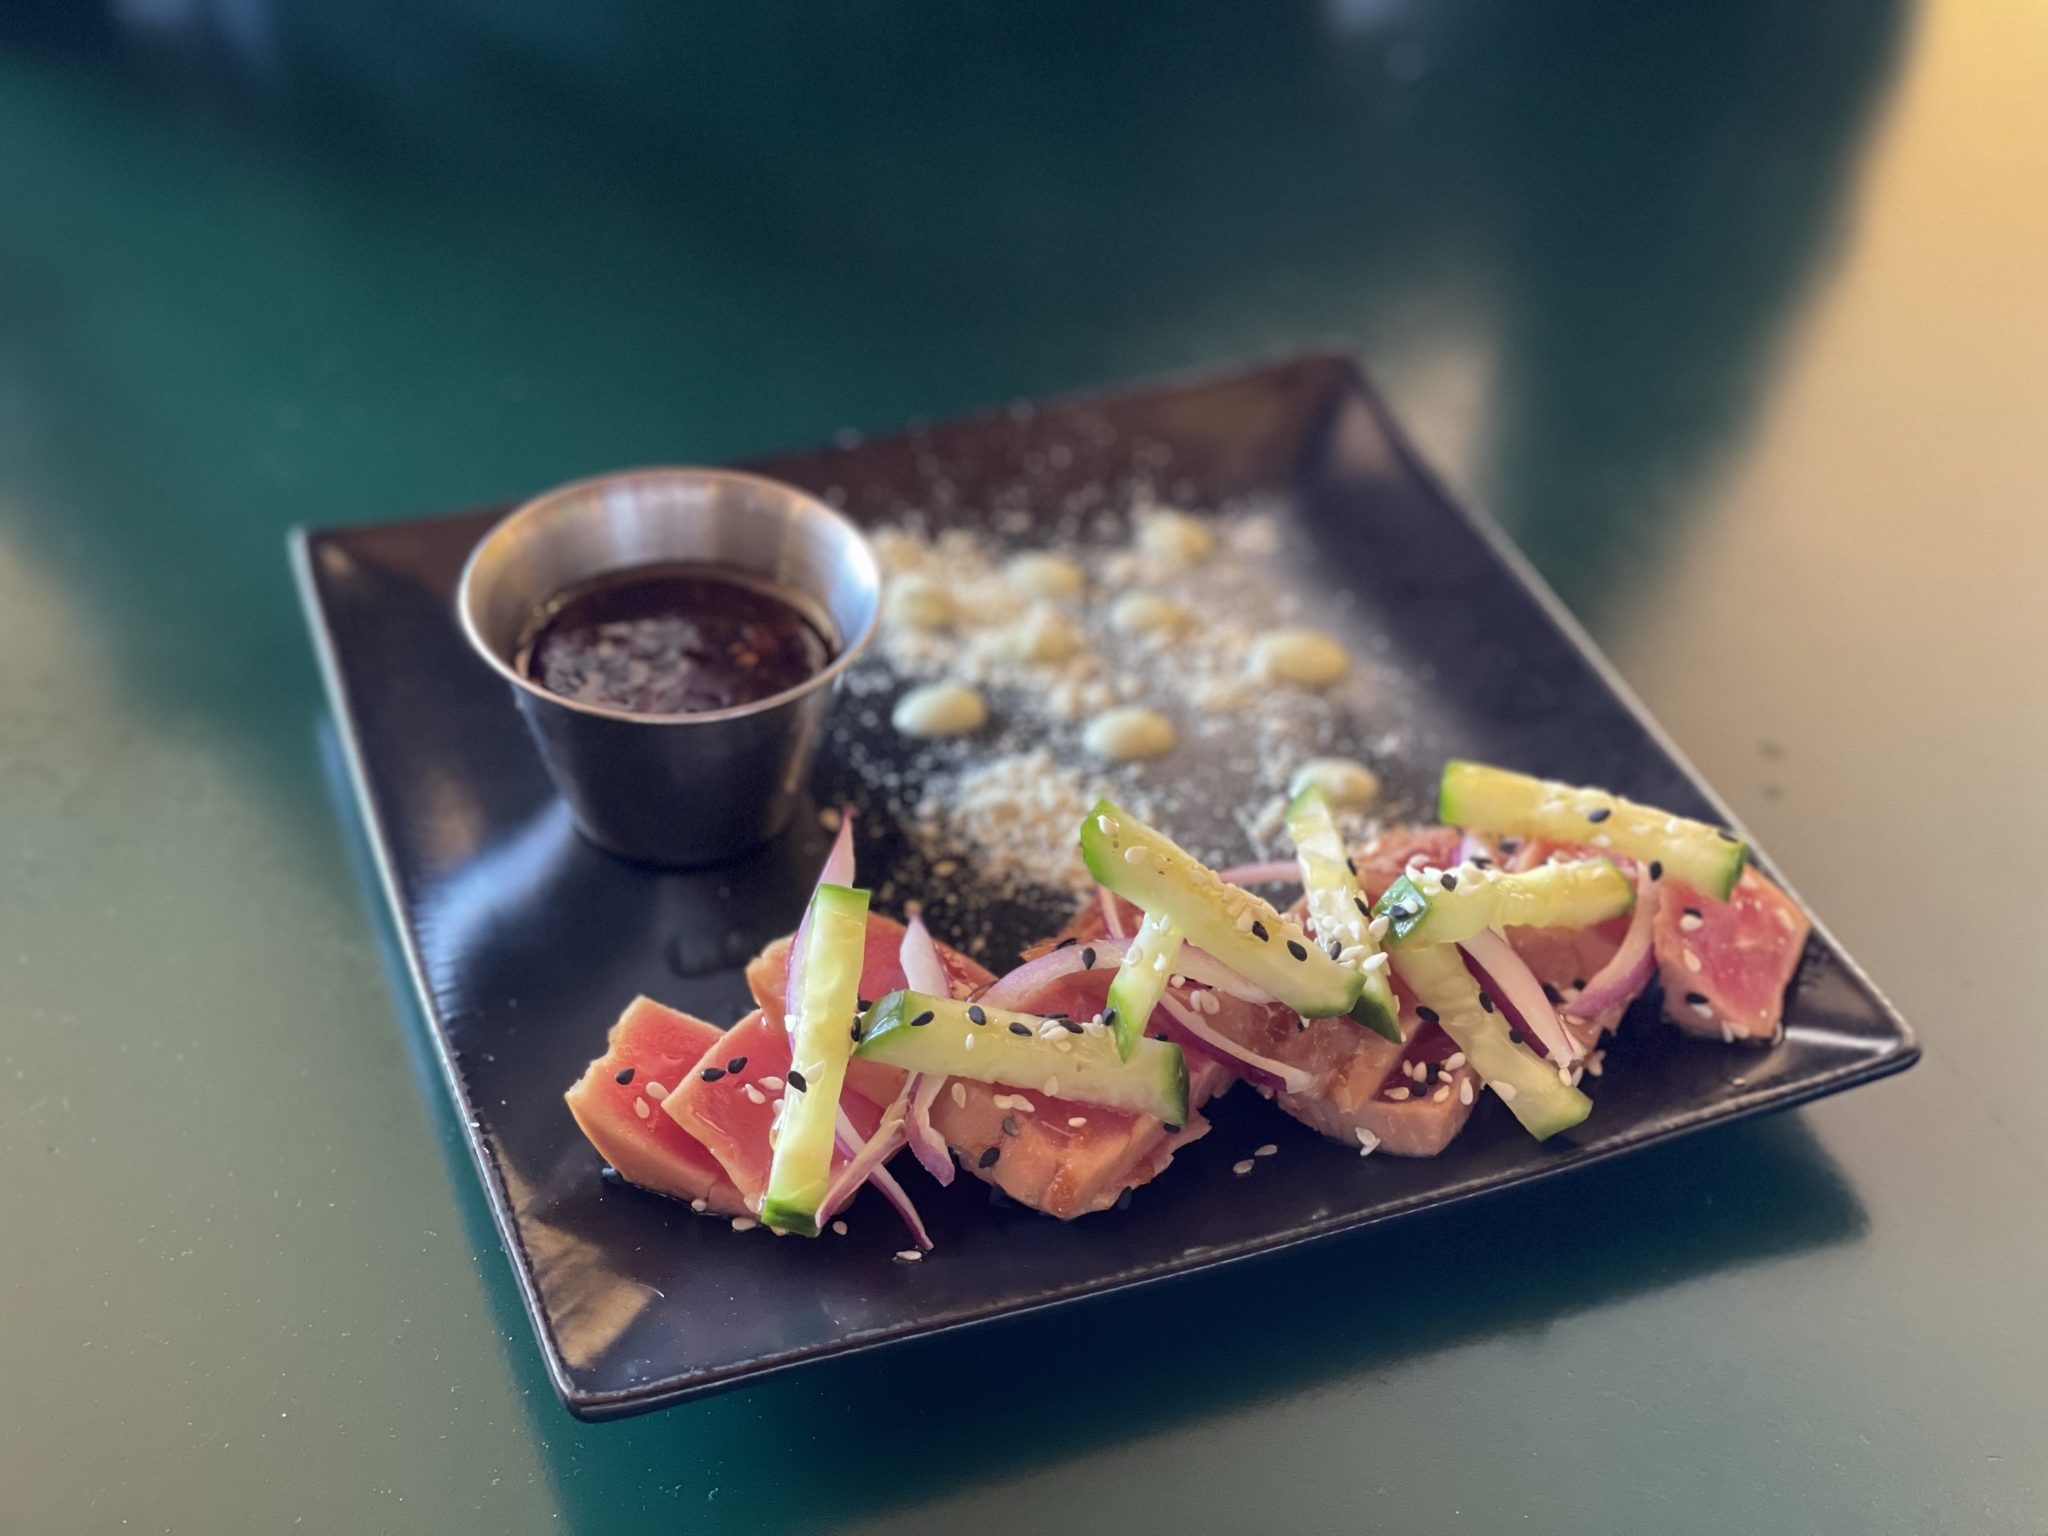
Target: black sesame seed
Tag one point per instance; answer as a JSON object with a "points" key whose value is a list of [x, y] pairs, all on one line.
{"points": [[1402, 911], [1514, 1037], [1427, 1015], [737, 1064], [1123, 1201], [1009, 1125], [1363, 909], [1599, 813], [1450, 881], [861, 1005], [1696, 997], [922, 1019], [1259, 932], [976, 1014], [712, 1074], [1170, 1128], [856, 1030], [1019, 1029], [1579, 985], [1109, 1016], [1656, 869], [1508, 845], [1296, 950], [988, 1158], [1088, 959], [1486, 1001], [1351, 864], [1066, 943], [1336, 949], [795, 1079], [1158, 1034], [1070, 1026], [1552, 994], [1692, 911], [1481, 861], [1727, 836], [626, 1076]]}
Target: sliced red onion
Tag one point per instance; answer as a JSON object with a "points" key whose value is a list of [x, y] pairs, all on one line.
{"points": [[1250, 1065], [926, 1144], [869, 1156], [926, 972], [1515, 987], [1273, 872], [1112, 921], [1199, 965], [848, 1140], [1033, 976], [1621, 978]]}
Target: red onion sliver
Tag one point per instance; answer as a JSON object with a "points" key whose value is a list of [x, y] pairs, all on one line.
{"points": [[1199, 965], [1621, 978], [1273, 872], [926, 1144], [893, 1192], [1253, 1067], [1516, 988], [1110, 918], [878, 1149], [926, 972], [1021, 985]]}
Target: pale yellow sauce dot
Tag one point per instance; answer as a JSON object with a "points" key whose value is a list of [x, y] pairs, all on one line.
{"points": [[940, 709], [1346, 783], [1173, 538], [1128, 734], [1305, 657], [1042, 635], [919, 602], [1042, 575], [1146, 613]]}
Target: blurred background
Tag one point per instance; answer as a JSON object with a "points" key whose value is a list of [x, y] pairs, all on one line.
{"points": [[1734, 315]]}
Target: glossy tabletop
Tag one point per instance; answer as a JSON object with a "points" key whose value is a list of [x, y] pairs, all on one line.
{"points": [[1736, 318]]}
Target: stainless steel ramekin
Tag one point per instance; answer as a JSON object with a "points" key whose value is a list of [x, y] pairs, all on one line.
{"points": [[674, 789]]}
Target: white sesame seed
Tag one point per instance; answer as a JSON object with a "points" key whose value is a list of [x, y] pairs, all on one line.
{"points": [[909, 1256], [1241, 1167], [1373, 962], [640, 1108], [839, 1227], [1052, 1087], [959, 1096], [1602, 840], [744, 1223], [1505, 1090], [1159, 964], [1397, 1094], [1692, 962], [1692, 922], [1727, 1033], [1703, 1009], [1465, 1090], [1176, 981], [1378, 927], [969, 1039], [1366, 1142], [1266, 1151], [1454, 1061], [655, 1091], [1077, 1121], [1245, 920], [771, 1083], [755, 1095], [700, 1206], [1442, 1093]]}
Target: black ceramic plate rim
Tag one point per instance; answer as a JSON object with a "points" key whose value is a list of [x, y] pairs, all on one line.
{"points": [[661, 1391]]}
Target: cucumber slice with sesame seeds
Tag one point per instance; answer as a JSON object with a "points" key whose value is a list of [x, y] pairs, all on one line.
{"points": [[1480, 798], [1463, 902], [1147, 868], [1337, 908], [1063, 1059], [1530, 1087], [1141, 980], [822, 1006]]}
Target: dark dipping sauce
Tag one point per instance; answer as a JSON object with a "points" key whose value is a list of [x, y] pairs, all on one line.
{"points": [[681, 639]]}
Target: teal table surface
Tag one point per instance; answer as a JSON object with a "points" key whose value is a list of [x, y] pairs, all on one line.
{"points": [[1735, 315]]}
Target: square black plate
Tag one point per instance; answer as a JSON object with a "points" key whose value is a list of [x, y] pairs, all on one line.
{"points": [[524, 943]]}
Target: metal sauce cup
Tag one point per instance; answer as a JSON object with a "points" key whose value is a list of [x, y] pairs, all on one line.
{"points": [[674, 789]]}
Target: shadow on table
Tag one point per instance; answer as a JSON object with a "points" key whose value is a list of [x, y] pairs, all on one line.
{"points": [[1518, 1262]]}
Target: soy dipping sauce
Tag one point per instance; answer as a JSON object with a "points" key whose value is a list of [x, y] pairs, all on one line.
{"points": [[672, 639]]}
